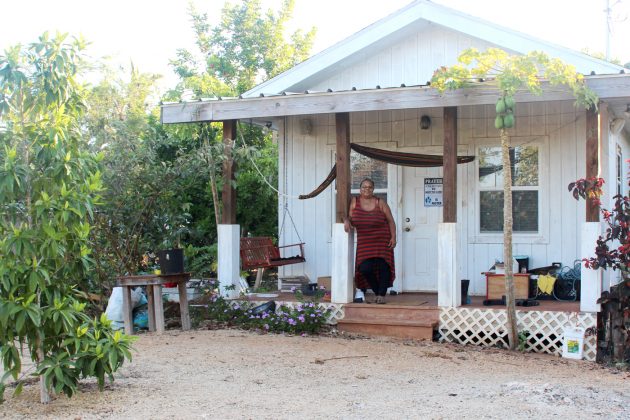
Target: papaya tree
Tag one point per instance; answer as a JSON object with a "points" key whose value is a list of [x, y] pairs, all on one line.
{"points": [[511, 74], [49, 187]]}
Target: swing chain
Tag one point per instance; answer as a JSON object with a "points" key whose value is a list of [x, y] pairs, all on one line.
{"points": [[284, 216]]}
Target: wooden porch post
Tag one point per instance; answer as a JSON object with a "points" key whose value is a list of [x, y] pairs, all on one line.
{"points": [[592, 159], [228, 232], [343, 242], [342, 125], [449, 211], [228, 216], [449, 285], [596, 132]]}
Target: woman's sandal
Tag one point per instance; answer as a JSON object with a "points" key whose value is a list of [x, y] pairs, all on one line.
{"points": [[380, 300]]}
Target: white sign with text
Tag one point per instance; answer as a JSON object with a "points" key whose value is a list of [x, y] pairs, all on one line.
{"points": [[433, 192]]}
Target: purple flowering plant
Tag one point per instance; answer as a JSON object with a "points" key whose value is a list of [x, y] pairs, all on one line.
{"points": [[306, 317]]}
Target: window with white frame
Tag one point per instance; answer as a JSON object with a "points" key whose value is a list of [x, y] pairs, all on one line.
{"points": [[525, 172], [362, 167]]}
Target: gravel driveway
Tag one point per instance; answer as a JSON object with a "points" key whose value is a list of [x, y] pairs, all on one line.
{"points": [[239, 374]]}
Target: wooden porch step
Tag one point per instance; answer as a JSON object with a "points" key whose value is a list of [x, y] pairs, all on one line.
{"points": [[392, 312], [412, 322]]}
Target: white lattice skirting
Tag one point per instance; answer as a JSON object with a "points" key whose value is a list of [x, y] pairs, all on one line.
{"points": [[486, 327], [335, 314]]}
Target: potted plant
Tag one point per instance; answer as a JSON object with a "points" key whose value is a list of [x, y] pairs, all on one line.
{"points": [[171, 255]]}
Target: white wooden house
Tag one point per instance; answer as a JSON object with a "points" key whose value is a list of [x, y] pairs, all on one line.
{"points": [[371, 89]]}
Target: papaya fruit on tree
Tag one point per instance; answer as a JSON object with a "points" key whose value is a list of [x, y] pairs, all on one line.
{"points": [[508, 120], [498, 122], [500, 108]]}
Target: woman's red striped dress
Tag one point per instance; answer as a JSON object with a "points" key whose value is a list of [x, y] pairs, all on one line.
{"points": [[372, 239]]}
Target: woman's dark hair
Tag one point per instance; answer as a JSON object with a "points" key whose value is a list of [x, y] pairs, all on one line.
{"points": [[367, 180]]}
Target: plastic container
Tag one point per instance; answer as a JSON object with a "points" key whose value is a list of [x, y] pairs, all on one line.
{"points": [[523, 263], [171, 261], [573, 343], [465, 297]]}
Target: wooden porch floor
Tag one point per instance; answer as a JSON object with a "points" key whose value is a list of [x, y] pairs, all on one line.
{"points": [[430, 300]]}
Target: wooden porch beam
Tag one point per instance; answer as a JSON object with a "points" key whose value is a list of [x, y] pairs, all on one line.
{"points": [[342, 125], [449, 211], [372, 100], [228, 216], [592, 160]]}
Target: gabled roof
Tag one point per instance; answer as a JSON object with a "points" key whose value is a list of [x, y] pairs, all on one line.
{"points": [[416, 14]]}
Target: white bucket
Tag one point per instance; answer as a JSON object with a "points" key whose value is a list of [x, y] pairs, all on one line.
{"points": [[573, 343]]}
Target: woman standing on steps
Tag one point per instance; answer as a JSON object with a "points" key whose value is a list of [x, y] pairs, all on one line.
{"points": [[376, 239]]}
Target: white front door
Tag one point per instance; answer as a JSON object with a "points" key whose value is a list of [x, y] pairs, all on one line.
{"points": [[419, 231]]}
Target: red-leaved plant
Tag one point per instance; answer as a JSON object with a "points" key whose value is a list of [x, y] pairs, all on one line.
{"points": [[613, 248]]}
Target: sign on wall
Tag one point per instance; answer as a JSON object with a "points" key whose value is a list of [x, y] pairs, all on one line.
{"points": [[433, 192]]}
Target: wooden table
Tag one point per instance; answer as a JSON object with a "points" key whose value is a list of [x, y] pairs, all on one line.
{"points": [[154, 283]]}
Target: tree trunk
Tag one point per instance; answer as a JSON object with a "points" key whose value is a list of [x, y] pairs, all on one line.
{"points": [[507, 240], [213, 179], [215, 199], [44, 393]]}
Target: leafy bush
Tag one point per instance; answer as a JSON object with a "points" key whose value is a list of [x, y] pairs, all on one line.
{"points": [[49, 188], [612, 250], [201, 261]]}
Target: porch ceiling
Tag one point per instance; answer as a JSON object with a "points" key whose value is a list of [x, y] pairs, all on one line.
{"points": [[615, 88]]}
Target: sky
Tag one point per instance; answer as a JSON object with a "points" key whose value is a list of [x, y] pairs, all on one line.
{"points": [[148, 32]]}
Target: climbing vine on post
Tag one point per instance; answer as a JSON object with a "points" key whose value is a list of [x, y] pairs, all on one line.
{"points": [[509, 75]]}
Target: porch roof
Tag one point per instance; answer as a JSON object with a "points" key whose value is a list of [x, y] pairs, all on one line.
{"points": [[614, 89]]}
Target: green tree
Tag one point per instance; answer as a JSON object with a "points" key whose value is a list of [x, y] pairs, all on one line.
{"points": [[247, 47], [147, 184], [49, 186], [511, 74], [244, 49]]}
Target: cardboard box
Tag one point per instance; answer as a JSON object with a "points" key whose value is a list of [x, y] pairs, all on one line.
{"points": [[324, 281]]}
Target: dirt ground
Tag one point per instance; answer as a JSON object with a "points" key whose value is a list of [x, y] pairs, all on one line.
{"points": [[238, 374]]}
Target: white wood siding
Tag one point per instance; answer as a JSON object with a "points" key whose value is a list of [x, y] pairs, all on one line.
{"points": [[411, 61], [557, 126]]}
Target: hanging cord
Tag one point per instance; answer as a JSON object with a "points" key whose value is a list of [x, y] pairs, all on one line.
{"points": [[568, 276], [284, 216], [245, 147]]}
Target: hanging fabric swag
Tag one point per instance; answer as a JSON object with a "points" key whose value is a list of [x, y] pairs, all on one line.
{"points": [[395, 158]]}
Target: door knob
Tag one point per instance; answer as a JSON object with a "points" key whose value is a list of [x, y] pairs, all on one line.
{"points": [[407, 229], [407, 220]]}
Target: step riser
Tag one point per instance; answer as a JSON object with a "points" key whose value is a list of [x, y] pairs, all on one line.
{"points": [[408, 332], [398, 314]]}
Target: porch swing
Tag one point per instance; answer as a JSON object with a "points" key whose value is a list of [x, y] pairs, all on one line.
{"points": [[261, 253]]}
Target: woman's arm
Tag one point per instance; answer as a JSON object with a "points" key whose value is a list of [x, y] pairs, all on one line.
{"points": [[347, 222], [390, 221]]}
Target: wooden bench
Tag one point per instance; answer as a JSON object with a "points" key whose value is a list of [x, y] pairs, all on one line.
{"points": [[261, 253]]}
